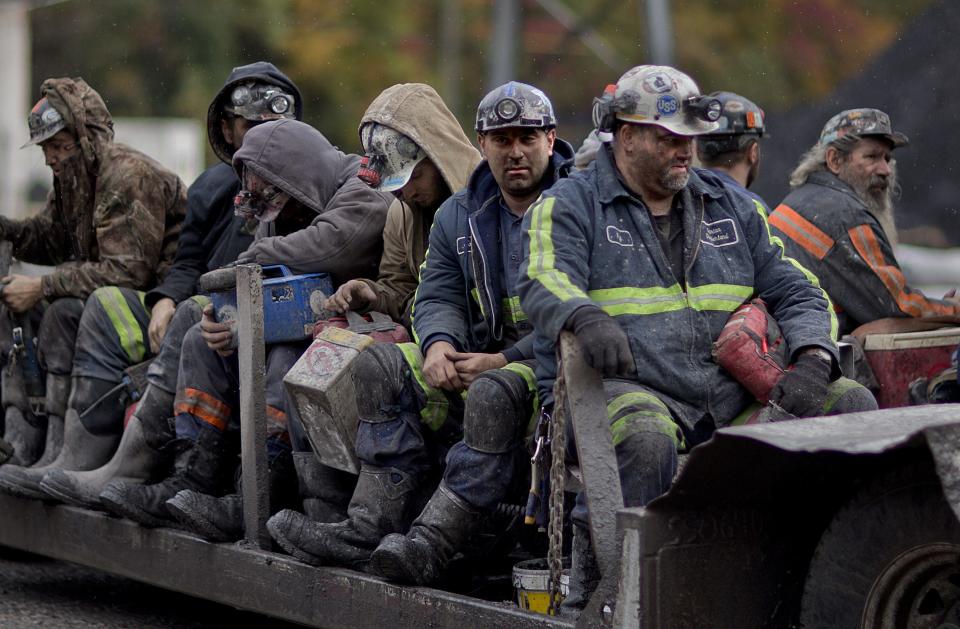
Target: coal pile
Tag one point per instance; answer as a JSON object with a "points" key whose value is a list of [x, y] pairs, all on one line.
{"points": [[917, 81]]}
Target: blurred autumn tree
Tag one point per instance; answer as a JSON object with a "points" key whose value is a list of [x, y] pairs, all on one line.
{"points": [[168, 57]]}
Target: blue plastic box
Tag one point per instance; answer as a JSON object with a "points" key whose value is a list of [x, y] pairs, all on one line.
{"points": [[291, 303]]}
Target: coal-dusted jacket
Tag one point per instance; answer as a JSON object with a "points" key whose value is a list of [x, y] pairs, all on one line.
{"points": [[590, 242], [826, 226], [459, 299]]}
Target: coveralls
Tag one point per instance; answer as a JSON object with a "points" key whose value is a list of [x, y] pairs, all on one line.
{"points": [[591, 242]]}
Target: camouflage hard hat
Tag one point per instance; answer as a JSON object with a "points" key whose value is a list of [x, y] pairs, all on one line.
{"points": [[389, 159], [861, 122], [44, 122], [515, 104]]}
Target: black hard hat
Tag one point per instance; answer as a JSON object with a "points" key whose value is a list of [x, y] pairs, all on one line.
{"points": [[515, 104], [740, 121]]}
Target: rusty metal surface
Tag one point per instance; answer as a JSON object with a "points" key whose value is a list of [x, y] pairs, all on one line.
{"points": [[269, 583], [598, 463], [253, 409]]}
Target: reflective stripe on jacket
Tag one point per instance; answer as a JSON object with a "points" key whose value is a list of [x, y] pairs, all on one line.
{"points": [[826, 226], [590, 242]]}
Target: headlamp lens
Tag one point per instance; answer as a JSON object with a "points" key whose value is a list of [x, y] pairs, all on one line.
{"points": [[279, 105], [240, 96], [507, 109]]}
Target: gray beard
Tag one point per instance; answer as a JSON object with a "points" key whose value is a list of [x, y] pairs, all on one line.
{"points": [[674, 183], [880, 206]]}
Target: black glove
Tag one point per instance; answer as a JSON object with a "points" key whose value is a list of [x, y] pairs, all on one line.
{"points": [[604, 343], [802, 390]]}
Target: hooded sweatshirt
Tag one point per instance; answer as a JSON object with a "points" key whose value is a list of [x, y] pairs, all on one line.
{"points": [[417, 111], [345, 237], [114, 214], [212, 235]]}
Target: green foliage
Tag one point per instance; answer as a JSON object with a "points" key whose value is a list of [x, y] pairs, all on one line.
{"points": [[168, 57]]}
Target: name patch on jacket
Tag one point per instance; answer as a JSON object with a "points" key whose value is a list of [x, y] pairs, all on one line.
{"points": [[720, 233], [463, 245], [619, 236]]}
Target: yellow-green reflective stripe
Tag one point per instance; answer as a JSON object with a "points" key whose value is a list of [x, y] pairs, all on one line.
{"points": [[526, 372], [123, 320], [639, 301], [476, 297], [834, 326], [654, 410], [512, 310], [542, 265], [837, 389], [201, 300], [724, 297], [434, 412]]}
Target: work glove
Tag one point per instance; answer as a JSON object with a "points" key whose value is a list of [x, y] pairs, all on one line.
{"points": [[802, 390], [605, 345]]}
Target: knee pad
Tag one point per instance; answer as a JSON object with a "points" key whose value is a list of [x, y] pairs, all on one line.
{"points": [[647, 462], [497, 412], [100, 403], [379, 375], [57, 395]]}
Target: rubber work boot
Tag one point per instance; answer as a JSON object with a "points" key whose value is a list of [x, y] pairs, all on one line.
{"points": [[325, 491], [26, 436], [221, 519], [584, 574], [420, 556], [381, 504], [81, 450], [57, 394], [144, 455], [199, 465]]}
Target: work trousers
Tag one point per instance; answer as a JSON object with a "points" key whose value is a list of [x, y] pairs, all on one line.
{"points": [[408, 425], [208, 391]]}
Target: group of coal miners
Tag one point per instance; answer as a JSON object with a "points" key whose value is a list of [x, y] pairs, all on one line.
{"points": [[486, 256]]}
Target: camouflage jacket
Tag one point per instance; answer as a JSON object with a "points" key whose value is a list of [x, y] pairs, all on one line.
{"points": [[114, 215]]}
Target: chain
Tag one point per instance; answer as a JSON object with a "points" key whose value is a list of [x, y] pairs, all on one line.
{"points": [[558, 447]]}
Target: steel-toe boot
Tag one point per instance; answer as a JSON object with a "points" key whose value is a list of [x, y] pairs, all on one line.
{"points": [[382, 503], [143, 455], [420, 556], [200, 465]]}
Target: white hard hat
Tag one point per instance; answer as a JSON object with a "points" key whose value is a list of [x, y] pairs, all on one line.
{"points": [[657, 95]]}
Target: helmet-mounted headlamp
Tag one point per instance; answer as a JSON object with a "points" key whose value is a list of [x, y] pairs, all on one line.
{"points": [[515, 105], [260, 101], [703, 107], [390, 157], [44, 122]]}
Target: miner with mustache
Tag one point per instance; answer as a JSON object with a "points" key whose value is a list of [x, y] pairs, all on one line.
{"points": [[838, 222]]}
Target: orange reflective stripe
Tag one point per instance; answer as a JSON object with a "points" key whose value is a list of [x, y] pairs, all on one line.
{"points": [[800, 230], [203, 406], [914, 304], [276, 415]]}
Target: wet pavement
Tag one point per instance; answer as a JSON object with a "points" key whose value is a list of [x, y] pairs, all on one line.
{"points": [[40, 592]]}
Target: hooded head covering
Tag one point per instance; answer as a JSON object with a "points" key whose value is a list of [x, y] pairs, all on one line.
{"points": [[85, 115], [296, 158], [261, 71], [418, 112]]}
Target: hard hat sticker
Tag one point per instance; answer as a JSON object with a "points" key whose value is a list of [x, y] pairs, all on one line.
{"points": [[667, 105]]}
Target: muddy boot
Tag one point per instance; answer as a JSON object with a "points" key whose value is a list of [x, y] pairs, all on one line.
{"points": [[200, 466], [144, 455], [82, 450], [26, 434], [584, 574], [325, 491], [382, 503], [58, 392], [221, 519], [420, 556]]}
